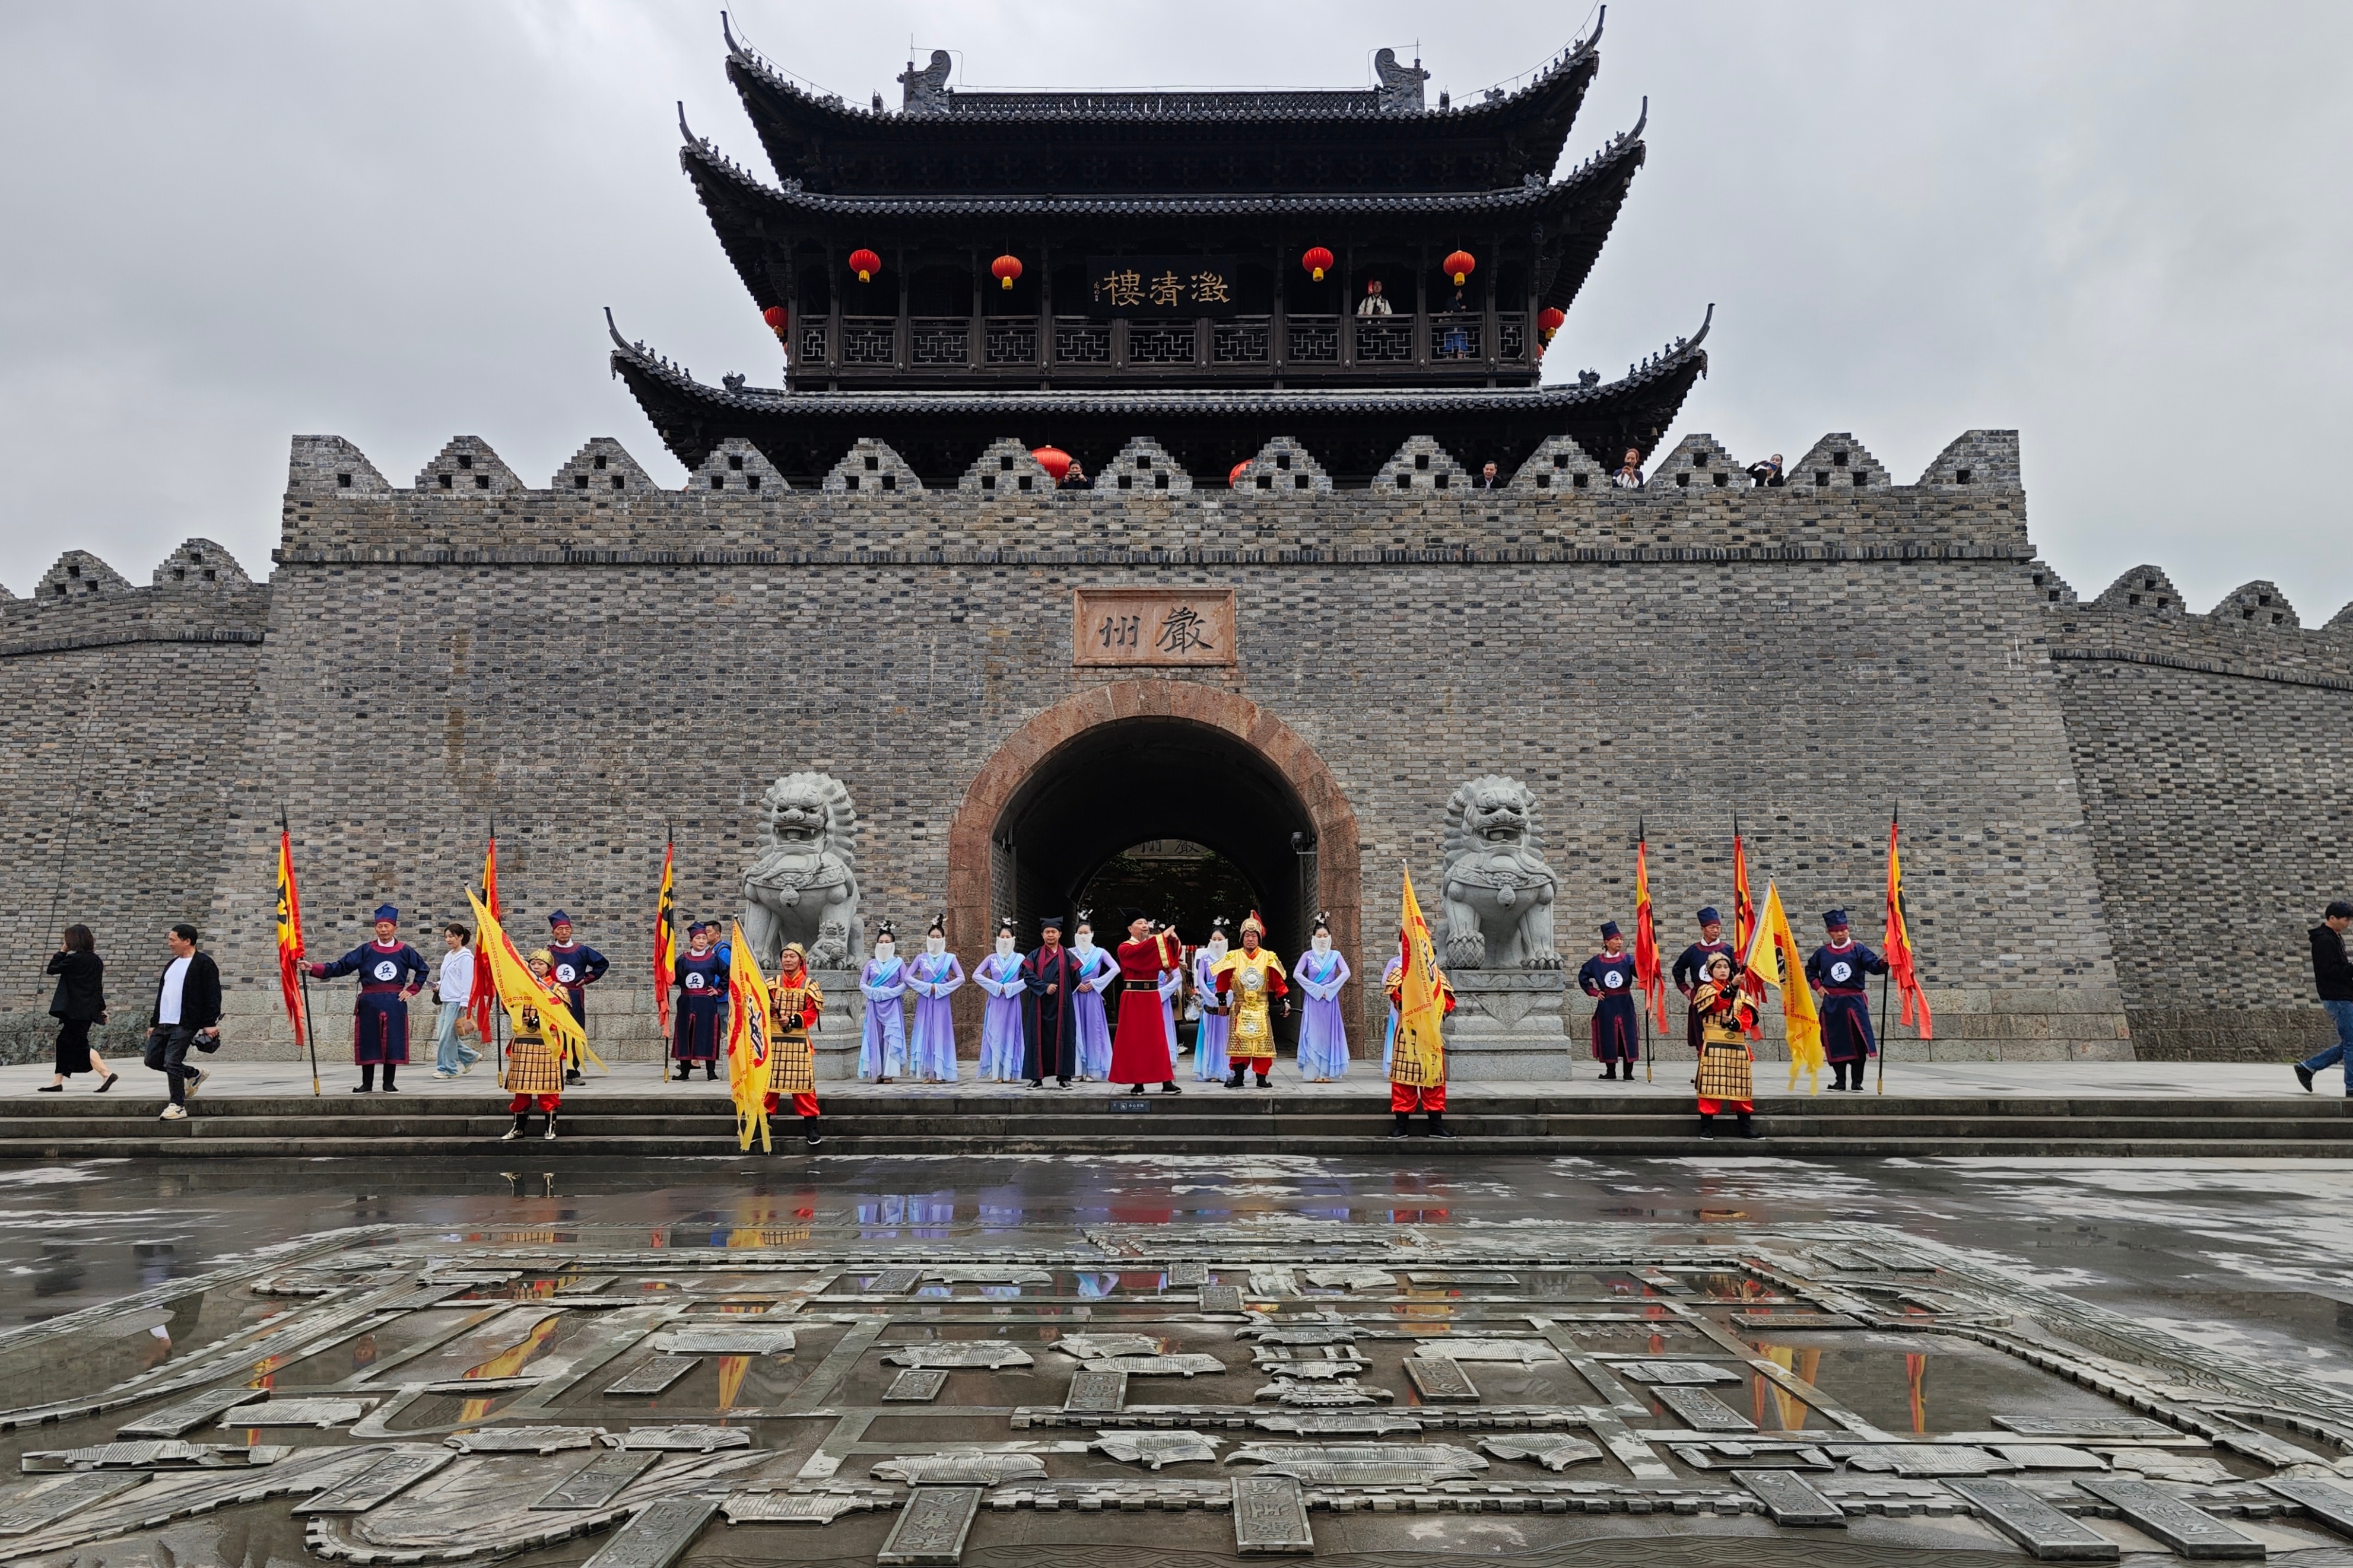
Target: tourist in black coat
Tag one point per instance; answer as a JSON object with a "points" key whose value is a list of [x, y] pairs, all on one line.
{"points": [[79, 1002]]}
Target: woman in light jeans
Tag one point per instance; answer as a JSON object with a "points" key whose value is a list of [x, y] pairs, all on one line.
{"points": [[452, 1056]]}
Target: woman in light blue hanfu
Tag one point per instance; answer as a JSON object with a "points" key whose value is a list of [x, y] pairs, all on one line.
{"points": [[1323, 1034], [933, 977], [1001, 1042], [883, 1036], [1217, 1012], [1098, 973]]}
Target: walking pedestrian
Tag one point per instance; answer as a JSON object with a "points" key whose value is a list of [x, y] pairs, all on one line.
{"points": [[80, 1002], [2332, 976], [186, 1014], [455, 991]]}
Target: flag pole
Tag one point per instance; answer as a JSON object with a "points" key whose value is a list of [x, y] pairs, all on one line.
{"points": [[1894, 811], [669, 842], [1641, 846], [310, 1025], [497, 1011]]}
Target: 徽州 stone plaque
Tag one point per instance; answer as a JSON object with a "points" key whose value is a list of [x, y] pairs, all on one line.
{"points": [[931, 1527], [1152, 627]]}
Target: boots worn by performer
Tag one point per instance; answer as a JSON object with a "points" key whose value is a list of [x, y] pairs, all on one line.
{"points": [[1251, 981]]}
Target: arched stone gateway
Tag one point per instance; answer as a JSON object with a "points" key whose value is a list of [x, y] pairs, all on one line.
{"points": [[1136, 760]]}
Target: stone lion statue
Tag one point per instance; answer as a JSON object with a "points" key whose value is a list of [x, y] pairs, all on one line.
{"points": [[802, 886], [1497, 890]]}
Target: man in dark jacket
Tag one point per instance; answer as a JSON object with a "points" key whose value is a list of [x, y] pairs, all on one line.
{"points": [[186, 1013], [2332, 976]]}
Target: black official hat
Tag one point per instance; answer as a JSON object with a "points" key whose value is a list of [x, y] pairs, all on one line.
{"points": [[1129, 914], [1050, 923], [1708, 917]]}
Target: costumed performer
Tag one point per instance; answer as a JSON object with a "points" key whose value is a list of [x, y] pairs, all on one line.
{"points": [[1251, 980], [1691, 970], [796, 1005], [1392, 986], [1050, 1018], [390, 972], [1323, 1032], [1837, 969], [882, 1036], [1727, 1075], [1418, 1074], [1098, 973], [1142, 1047], [701, 1027], [934, 976], [578, 967], [999, 974], [1609, 976], [534, 1075], [1217, 1012]]}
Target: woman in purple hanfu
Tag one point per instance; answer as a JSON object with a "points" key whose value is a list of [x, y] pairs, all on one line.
{"points": [[1002, 1045], [933, 977], [1098, 973], [883, 1033], [1216, 1012], [1323, 1034]]}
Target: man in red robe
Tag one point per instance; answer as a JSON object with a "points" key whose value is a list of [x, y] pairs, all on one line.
{"points": [[1141, 1050]]}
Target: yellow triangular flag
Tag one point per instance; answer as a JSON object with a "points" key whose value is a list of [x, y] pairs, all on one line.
{"points": [[751, 1030], [1420, 1057], [1774, 959], [517, 988]]}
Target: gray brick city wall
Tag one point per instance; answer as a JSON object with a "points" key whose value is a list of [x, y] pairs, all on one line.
{"points": [[2216, 758], [590, 664]]}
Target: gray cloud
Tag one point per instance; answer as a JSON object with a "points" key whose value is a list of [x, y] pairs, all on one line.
{"points": [[2118, 227]]}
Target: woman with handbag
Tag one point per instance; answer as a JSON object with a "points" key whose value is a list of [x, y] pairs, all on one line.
{"points": [[80, 1001]]}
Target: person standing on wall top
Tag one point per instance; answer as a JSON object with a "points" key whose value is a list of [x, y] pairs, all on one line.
{"points": [[1690, 972], [1609, 975], [79, 1002], [453, 991], [699, 1030], [1141, 1048], [1836, 970], [578, 967], [187, 1014], [2332, 976], [390, 972], [1628, 476]]}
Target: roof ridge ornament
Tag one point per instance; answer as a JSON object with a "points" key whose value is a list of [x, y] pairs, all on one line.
{"points": [[926, 91], [1400, 86]]}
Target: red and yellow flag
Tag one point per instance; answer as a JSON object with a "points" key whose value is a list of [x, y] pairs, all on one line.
{"points": [[1744, 921], [502, 971], [750, 1027], [1773, 958], [289, 936], [1646, 936], [482, 990], [665, 940], [1424, 998], [1901, 964]]}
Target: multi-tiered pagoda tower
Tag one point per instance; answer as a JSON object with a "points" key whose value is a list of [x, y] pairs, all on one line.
{"points": [[1077, 268]]}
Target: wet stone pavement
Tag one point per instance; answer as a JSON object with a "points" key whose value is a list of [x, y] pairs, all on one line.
{"points": [[1013, 1362]]}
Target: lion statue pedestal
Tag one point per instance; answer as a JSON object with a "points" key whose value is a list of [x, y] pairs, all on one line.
{"points": [[1496, 940], [835, 1044]]}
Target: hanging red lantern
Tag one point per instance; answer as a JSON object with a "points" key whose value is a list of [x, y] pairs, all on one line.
{"points": [[866, 264], [1460, 266], [1548, 320], [1235, 478], [1317, 260], [1004, 270], [1053, 460], [776, 318]]}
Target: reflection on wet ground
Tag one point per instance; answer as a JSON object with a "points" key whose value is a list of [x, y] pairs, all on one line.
{"points": [[2255, 1258]]}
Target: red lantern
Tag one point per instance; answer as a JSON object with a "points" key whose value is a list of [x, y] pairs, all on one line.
{"points": [[1053, 460], [1317, 260], [775, 317], [866, 264], [1004, 270], [1235, 476], [1460, 266], [1548, 320]]}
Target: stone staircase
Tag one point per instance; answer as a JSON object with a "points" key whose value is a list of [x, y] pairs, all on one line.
{"points": [[1204, 1123]]}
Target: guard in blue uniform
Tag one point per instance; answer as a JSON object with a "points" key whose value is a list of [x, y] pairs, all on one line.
{"points": [[1836, 970], [577, 966], [700, 1030], [390, 972], [1609, 975], [1691, 969]]}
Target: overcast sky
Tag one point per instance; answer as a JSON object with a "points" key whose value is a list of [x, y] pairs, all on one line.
{"points": [[2120, 228]]}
